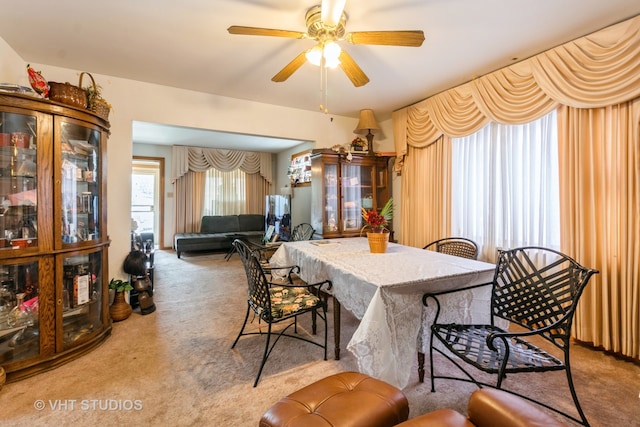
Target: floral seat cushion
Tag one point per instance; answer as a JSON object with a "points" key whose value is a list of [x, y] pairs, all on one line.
{"points": [[286, 301]]}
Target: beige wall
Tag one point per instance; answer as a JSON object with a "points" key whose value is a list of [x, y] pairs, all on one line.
{"points": [[134, 100]]}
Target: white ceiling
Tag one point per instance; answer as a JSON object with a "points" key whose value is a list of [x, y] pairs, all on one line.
{"points": [[185, 44], [154, 133]]}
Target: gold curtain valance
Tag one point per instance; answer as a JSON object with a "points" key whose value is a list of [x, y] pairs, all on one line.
{"points": [[594, 71], [198, 159]]}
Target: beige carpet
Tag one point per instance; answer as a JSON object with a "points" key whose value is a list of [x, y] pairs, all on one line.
{"points": [[176, 366]]}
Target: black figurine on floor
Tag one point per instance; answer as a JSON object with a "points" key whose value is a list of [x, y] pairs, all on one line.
{"points": [[135, 264]]}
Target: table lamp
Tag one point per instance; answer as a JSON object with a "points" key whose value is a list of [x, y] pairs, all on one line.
{"points": [[367, 126]]}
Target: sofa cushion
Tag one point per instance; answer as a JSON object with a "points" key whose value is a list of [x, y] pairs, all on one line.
{"points": [[219, 231], [251, 222], [202, 241], [219, 224]]}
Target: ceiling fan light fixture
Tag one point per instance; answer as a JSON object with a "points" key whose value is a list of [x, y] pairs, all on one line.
{"points": [[331, 52], [314, 55], [326, 25], [331, 62]]}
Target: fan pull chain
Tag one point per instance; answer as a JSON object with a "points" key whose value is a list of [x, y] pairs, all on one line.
{"points": [[324, 87], [321, 88]]}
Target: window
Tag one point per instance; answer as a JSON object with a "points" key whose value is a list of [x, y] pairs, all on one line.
{"points": [[145, 195], [224, 193], [505, 186]]}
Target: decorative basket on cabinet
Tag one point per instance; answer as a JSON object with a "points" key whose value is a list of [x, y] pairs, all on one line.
{"points": [[95, 102]]}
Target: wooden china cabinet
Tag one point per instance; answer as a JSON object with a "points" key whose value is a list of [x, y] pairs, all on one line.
{"points": [[340, 187], [53, 234]]}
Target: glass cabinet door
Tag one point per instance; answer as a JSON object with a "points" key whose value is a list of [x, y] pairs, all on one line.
{"points": [[382, 190], [19, 318], [80, 148], [357, 192], [18, 181], [81, 296], [330, 198]]}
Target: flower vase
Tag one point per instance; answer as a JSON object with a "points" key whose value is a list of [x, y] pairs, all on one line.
{"points": [[378, 242], [120, 309]]}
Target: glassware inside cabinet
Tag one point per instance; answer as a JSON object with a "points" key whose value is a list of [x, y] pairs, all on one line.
{"points": [[356, 190], [331, 198], [80, 197], [81, 295], [19, 306], [18, 181], [382, 191]]}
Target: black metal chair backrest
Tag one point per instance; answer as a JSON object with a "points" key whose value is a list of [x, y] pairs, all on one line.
{"points": [[536, 287], [457, 246], [259, 298], [302, 231], [244, 251]]}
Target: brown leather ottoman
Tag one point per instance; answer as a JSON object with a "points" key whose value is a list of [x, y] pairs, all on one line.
{"points": [[488, 408], [347, 399]]}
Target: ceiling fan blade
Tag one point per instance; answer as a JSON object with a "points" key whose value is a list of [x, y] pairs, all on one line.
{"points": [[332, 11], [255, 31], [412, 38], [352, 70], [290, 68]]}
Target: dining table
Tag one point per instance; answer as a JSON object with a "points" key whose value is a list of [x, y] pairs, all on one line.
{"points": [[384, 291]]}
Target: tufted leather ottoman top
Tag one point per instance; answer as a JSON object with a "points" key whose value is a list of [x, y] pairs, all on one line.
{"points": [[347, 399]]}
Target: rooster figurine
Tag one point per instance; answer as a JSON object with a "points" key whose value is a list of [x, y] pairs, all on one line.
{"points": [[38, 83]]}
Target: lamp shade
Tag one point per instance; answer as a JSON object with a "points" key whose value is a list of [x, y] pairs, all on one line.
{"points": [[367, 123]]}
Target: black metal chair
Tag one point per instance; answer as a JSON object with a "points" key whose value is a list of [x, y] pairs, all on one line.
{"points": [[302, 231], [277, 302], [534, 289], [458, 246]]}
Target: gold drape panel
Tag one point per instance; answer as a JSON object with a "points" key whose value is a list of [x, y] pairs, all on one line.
{"points": [[428, 172], [189, 207], [257, 190], [602, 226], [596, 71]]}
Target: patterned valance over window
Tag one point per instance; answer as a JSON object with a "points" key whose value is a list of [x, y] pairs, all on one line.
{"points": [[198, 159], [594, 71]]}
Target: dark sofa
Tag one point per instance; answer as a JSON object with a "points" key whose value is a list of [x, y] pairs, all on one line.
{"points": [[218, 232]]}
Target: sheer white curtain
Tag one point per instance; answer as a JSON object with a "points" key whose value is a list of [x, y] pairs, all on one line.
{"points": [[224, 193], [505, 186]]}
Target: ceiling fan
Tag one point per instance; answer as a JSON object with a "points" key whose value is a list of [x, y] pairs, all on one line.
{"points": [[326, 24]]}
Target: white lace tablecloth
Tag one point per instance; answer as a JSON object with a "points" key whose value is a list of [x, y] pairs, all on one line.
{"points": [[385, 292]]}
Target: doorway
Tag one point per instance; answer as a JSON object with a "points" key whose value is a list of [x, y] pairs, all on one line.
{"points": [[147, 203]]}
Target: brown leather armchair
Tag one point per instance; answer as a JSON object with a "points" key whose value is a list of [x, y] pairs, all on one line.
{"points": [[488, 408]]}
